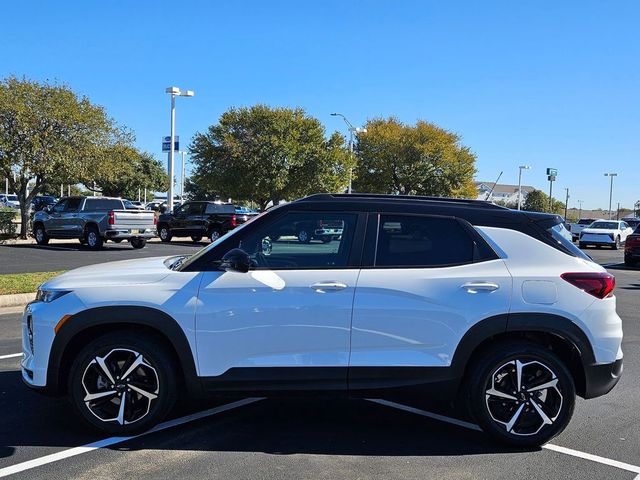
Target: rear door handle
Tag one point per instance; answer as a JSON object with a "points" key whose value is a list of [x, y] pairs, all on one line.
{"points": [[324, 287], [476, 287]]}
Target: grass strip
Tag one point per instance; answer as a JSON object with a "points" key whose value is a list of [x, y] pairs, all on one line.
{"points": [[23, 282]]}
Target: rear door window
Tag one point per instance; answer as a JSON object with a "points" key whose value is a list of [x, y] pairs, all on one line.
{"points": [[73, 205], [422, 241], [220, 208]]}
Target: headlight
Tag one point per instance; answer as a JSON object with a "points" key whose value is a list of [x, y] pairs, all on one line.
{"points": [[48, 296]]}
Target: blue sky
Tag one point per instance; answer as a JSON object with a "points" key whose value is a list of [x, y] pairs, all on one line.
{"points": [[548, 84]]}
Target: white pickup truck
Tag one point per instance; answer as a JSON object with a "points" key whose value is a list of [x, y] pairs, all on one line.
{"points": [[576, 228], [93, 221]]}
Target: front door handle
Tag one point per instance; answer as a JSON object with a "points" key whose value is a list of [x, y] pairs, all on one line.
{"points": [[477, 287], [325, 287]]}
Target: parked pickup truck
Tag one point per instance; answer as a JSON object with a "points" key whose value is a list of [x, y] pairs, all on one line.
{"points": [[576, 228], [199, 219], [94, 220]]}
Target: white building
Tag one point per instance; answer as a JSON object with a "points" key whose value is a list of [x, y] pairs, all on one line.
{"points": [[502, 193]]}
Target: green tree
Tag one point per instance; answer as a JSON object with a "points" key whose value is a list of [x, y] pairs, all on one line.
{"points": [[47, 132], [268, 154], [413, 160], [135, 171], [538, 201]]}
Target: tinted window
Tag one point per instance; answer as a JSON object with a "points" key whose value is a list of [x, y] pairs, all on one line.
{"points": [[417, 241], [561, 235], [302, 240], [604, 225], [102, 204], [60, 206], [73, 204], [195, 208], [220, 208]]}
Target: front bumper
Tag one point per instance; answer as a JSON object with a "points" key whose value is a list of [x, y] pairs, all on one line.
{"points": [[591, 239], [601, 378]]}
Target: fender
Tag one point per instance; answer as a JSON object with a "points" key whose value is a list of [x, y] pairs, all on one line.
{"points": [[123, 316]]}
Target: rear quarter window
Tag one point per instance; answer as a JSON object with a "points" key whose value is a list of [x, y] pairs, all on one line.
{"points": [[220, 208], [102, 204]]}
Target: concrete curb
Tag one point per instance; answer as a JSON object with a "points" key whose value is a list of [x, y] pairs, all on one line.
{"points": [[16, 300]]}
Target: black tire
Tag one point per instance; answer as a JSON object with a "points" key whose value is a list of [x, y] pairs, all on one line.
{"points": [[540, 366], [123, 345], [327, 239], [138, 242], [582, 245], [196, 239], [116, 240], [93, 238], [303, 236], [214, 234], [40, 234], [616, 245], [164, 233]]}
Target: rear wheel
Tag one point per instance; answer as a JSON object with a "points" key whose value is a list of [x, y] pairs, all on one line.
{"points": [[196, 239], [138, 242], [327, 239], [116, 240], [41, 236], [93, 238], [214, 235], [304, 236], [521, 393], [164, 233], [123, 382]]}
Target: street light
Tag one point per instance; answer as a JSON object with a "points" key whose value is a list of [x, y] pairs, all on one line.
{"points": [[520, 168], [174, 92], [610, 190], [352, 131], [580, 211]]}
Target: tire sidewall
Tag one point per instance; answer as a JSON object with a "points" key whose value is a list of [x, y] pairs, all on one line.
{"points": [[481, 375], [153, 353], [167, 237]]}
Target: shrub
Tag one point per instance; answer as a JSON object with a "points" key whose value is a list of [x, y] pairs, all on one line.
{"points": [[7, 227]]}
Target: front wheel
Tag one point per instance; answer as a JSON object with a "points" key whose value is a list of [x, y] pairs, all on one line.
{"points": [[138, 242], [196, 239], [616, 245], [582, 245], [521, 393], [164, 233], [41, 236], [122, 382], [214, 235], [304, 236]]}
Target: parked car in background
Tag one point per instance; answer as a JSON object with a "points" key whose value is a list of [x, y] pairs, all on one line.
{"points": [[580, 225], [94, 220], [42, 202], [198, 220], [609, 233], [244, 214], [632, 248], [155, 205], [133, 205], [9, 200], [492, 309], [633, 222]]}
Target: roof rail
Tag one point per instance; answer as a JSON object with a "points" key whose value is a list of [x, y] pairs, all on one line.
{"points": [[406, 198]]}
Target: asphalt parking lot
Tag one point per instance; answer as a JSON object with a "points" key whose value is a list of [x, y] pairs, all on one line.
{"points": [[316, 438]]}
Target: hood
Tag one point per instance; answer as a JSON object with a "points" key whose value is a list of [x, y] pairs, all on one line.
{"points": [[606, 231], [124, 272]]}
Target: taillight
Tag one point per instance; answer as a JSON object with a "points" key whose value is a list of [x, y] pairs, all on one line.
{"points": [[155, 218], [112, 218], [600, 285], [234, 221], [633, 241]]}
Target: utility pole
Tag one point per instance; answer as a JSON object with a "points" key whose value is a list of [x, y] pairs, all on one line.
{"points": [[352, 131], [551, 175], [566, 204], [520, 168], [580, 211], [618, 212], [610, 190]]}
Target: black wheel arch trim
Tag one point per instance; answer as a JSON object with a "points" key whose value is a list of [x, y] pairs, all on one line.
{"points": [[150, 317]]}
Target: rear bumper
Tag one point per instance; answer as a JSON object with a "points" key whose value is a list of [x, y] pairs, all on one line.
{"points": [[125, 233], [600, 379]]}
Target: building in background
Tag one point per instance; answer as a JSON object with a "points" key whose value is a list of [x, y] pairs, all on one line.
{"points": [[506, 194]]}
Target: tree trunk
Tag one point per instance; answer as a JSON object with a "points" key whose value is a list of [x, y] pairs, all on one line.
{"points": [[24, 220]]}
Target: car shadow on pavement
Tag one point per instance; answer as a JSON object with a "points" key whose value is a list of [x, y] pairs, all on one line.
{"points": [[323, 426]]}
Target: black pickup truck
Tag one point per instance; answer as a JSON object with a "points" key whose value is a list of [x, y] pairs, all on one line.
{"points": [[198, 220]]}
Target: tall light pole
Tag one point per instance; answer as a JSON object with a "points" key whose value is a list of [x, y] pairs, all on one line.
{"points": [[610, 190], [520, 168], [352, 131], [566, 204], [182, 177], [580, 211], [173, 92]]}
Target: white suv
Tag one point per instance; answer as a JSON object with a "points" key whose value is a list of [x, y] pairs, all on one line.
{"points": [[419, 298]]}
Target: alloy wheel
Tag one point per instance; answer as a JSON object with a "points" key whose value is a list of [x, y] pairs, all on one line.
{"points": [[214, 235], [524, 397], [92, 239], [120, 386], [39, 235]]}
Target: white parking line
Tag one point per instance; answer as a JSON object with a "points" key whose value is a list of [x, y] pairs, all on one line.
{"points": [[13, 355], [472, 426], [107, 442]]}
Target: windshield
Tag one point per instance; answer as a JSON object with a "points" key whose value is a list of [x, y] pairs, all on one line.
{"points": [[563, 236], [604, 225], [204, 251]]}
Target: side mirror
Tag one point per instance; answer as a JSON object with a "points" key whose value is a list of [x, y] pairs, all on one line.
{"points": [[235, 260]]}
